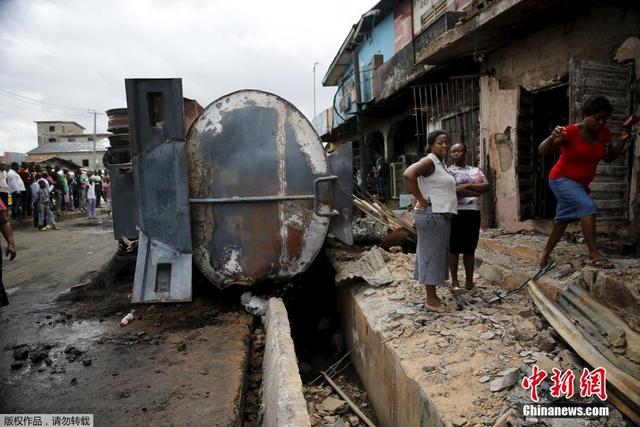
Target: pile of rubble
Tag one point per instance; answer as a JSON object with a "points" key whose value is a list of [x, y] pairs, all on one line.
{"points": [[251, 415], [327, 408], [479, 353], [368, 231]]}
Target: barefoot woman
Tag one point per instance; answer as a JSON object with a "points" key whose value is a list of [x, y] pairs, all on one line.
{"points": [[465, 226], [582, 146], [434, 188]]}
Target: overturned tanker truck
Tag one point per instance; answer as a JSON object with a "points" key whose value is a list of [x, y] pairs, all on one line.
{"points": [[243, 189]]}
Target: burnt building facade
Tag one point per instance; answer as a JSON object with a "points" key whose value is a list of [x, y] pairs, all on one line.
{"points": [[498, 75]]}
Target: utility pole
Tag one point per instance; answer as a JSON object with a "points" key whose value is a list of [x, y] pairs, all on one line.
{"points": [[314, 89], [364, 164], [95, 158]]}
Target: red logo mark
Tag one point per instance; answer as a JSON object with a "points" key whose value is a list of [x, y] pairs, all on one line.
{"points": [[532, 382], [562, 383], [594, 383]]}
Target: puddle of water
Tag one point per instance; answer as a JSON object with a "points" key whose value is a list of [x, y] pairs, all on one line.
{"points": [[82, 330]]}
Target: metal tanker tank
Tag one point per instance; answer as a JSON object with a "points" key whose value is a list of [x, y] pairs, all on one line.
{"points": [[260, 189], [262, 192]]}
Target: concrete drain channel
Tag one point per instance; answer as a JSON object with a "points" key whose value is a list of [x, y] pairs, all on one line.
{"points": [[417, 368], [298, 337]]}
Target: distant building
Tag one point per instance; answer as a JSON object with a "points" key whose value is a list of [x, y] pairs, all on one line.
{"points": [[51, 131], [10, 157], [77, 151]]}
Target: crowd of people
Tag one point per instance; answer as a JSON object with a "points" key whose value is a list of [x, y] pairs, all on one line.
{"points": [[447, 211], [41, 193]]}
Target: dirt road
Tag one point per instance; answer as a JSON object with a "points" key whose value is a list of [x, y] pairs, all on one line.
{"points": [[63, 352]]}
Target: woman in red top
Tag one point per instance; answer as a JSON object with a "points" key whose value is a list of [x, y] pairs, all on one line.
{"points": [[582, 146]]}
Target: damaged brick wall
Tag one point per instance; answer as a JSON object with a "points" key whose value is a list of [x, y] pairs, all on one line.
{"points": [[538, 61]]}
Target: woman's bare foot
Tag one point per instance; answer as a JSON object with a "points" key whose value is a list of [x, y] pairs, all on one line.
{"points": [[544, 259], [434, 304], [469, 285]]}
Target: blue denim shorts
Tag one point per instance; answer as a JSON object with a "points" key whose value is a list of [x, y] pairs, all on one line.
{"points": [[573, 200]]}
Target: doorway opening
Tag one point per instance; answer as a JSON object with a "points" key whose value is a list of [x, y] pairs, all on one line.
{"points": [[540, 112]]}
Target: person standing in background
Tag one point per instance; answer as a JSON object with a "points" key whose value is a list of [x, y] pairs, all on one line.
{"points": [[106, 192], [465, 226], [26, 194], [433, 185], [4, 187], [7, 232], [91, 199], [34, 198], [97, 179], [16, 187]]}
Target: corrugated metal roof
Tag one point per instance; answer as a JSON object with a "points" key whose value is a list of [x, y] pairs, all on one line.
{"points": [[71, 147]]}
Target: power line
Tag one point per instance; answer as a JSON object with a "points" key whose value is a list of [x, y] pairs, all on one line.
{"points": [[34, 101]]}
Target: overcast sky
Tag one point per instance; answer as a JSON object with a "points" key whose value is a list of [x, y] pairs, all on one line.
{"points": [[60, 58]]}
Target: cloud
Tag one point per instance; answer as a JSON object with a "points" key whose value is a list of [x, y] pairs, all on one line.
{"points": [[76, 53]]}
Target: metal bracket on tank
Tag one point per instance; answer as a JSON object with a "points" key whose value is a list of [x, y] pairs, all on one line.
{"points": [[156, 118], [341, 164]]}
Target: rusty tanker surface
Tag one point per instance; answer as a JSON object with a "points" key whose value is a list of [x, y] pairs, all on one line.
{"points": [[257, 209], [262, 192]]}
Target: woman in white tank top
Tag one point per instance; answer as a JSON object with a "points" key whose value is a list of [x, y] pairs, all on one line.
{"points": [[434, 188]]}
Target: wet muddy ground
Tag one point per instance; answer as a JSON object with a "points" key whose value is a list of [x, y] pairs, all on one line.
{"points": [[64, 352]]}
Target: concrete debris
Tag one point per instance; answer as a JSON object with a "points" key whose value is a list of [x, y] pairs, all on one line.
{"points": [[526, 331], [544, 341], [369, 292], [406, 311], [513, 417], [442, 343], [459, 422], [509, 377], [484, 379], [395, 297], [253, 304], [487, 335], [366, 231], [370, 267], [334, 406]]}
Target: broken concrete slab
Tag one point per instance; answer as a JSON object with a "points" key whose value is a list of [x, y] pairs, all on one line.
{"points": [[508, 379], [284, 403], [370, 267], [334, 406]]}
